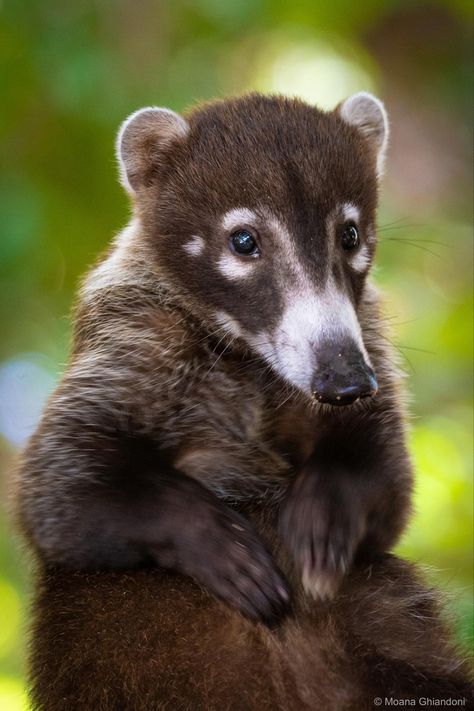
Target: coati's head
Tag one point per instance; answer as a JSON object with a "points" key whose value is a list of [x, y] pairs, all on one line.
{"points": [[261, 213]]}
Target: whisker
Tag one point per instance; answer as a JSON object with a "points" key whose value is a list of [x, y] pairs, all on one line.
{"points": [[414, 243], [226, 348], [419, 350]]}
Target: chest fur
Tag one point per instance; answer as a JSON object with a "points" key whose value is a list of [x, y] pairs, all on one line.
{"points": [[241, 437]]}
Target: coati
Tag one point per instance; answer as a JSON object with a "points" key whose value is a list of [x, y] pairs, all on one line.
{"points": [[228, 345], [231, 409]]}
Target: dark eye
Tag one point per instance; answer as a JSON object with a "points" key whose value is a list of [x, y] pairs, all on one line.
{"points": [[243, 242], [350, 237]]}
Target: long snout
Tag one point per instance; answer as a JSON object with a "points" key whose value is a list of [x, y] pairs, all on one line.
{"points": [[342, 375]]}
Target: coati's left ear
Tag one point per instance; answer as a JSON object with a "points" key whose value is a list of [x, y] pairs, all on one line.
{"points": [[141, 141], [368, 115]]}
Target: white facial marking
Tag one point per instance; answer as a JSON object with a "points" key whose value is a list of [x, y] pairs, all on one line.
{"points": [[312, 313], [228, 323], [232, 267], [360, 261], [238, 217], [359, 258], [308, 320], [350, 212], [195, 246]]}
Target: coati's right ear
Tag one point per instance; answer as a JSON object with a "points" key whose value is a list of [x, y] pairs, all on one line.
{"points": [[367, 114], [141, 140]]}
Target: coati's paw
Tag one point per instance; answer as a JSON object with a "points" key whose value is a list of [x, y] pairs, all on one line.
{"points": [[219, 549], [237, 568], [322, 525]]}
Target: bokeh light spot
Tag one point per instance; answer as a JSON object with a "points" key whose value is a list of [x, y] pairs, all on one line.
{"points": [[25, 384], [12, 695], [315, 72]]}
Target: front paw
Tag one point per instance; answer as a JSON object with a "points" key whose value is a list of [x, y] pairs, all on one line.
{"points": [[198, 535], [223, 553], [322, 523], [235, 565]]}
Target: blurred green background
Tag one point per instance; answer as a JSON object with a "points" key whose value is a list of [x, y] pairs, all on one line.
{"points": [[70, 72]]}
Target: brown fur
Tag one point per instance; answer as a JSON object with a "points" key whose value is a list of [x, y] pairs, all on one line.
{"points": [[151, 640], [154, 369], [174, 434]]}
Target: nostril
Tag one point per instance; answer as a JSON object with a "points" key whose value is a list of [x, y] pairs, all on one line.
{"points": [[334, 392], [347, 395], [343, 375]]}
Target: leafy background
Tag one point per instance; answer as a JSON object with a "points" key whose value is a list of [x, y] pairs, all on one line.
{"points": [[70, 72]]}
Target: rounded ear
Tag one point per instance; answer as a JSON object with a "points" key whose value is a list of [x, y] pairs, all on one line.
{"points": [[142, 138], [367, 113]]}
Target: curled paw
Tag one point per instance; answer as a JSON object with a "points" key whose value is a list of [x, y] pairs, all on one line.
{"points": [[322, 524], [232, 563], [198, 535]]}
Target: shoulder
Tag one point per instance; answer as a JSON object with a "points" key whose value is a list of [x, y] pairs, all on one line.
{"points": [[121, 299]]}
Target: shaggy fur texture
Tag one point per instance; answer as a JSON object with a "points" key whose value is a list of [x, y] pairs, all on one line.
{"points": [[190, 385], [191, 412], [153, 640]]}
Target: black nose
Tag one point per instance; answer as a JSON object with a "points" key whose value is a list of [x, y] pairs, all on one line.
{"points": [[343, 376]]}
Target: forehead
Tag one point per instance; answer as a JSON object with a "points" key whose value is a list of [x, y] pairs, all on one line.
{"points": [[283, 153]]}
